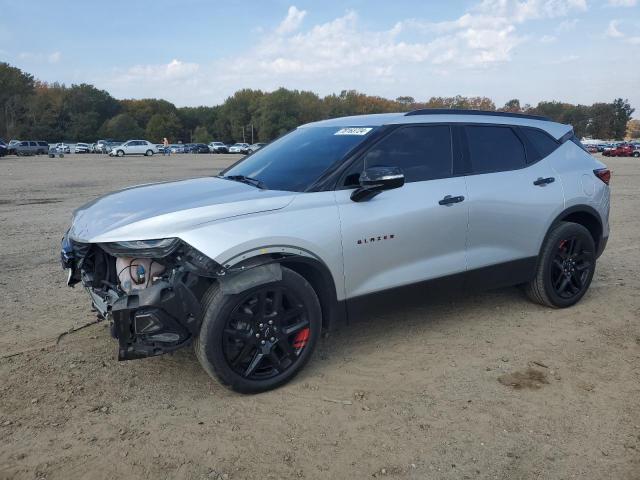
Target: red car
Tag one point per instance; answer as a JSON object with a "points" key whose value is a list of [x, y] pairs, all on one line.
{"points": [[621, 151]]}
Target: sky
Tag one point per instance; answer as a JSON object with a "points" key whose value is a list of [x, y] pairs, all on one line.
{"points": [[199, 52]]}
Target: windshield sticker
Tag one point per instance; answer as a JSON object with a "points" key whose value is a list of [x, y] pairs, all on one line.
{"points": [[354, 131]]}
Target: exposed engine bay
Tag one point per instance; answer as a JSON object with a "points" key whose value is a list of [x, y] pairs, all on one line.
{"points": [[152, 297], [152, 303]]}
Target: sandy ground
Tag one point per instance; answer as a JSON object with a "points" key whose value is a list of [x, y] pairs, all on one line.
{"points": [[486, 386]]}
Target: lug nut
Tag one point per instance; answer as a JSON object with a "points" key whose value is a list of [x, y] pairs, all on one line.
{"points": [[272, 339], [270, 322], [261, 325], [257, 335], [262, 342]]}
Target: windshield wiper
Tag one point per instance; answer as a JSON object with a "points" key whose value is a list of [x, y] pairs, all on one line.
{"points": [[244, 179]]}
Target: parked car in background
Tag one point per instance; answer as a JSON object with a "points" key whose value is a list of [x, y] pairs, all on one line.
{"points": [[624, 150], [200, 148], [239, 148], [177, 148], [134, 147], [592, 148], [636, 152], [27, 148], [43, 147], [82, 148], [255, 147], [218, 147], [11, 146], [3, 148]]}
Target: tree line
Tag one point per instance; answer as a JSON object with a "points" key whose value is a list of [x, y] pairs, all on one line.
{"points": [[53, 111]]}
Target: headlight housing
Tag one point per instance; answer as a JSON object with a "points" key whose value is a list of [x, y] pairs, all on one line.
{"points": [[158, 248]]}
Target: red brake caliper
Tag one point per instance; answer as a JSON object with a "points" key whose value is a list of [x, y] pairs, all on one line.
{"points": [[302, 337]]}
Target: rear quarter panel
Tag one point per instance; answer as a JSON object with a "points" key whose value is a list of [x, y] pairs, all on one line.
{"points": [[575, 169]]}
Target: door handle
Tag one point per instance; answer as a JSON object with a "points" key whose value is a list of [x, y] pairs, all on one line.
{"points": [[449, 200], [541, 182]]}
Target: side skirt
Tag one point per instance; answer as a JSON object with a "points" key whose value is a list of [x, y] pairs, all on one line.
{"points": [[487, 278]]}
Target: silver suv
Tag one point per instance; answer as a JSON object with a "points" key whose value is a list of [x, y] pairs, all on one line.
{"points": [[251, 264]]}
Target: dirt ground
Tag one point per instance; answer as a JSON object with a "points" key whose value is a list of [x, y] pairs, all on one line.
{"points": [[486, 386]]}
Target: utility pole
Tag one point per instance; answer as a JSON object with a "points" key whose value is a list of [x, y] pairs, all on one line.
{"points": [[252, 142], [243, 140]]}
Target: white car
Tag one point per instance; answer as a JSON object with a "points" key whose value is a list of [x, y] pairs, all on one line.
{"points": [[239, 148], [82, 148], [134, 147]]}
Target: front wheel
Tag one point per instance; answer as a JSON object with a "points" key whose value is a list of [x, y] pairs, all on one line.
{"points": [[120, 153], [149, 153], [259, 339], [636, 154], [565, 267]]}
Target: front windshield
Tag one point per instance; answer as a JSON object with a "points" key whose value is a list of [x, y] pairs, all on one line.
{"points": [[295, 161]]}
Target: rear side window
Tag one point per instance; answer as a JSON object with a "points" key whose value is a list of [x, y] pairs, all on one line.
{"points": [[494, 149], [422, 152], [540, 144]]}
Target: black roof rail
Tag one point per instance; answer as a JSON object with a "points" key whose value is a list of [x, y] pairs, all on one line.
{"points": [[491, 113]]}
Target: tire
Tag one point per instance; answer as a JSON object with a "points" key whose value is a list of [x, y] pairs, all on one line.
{"points": [[636, 154], [567, 259], [120, 153], [149, 153], [229, 357]]}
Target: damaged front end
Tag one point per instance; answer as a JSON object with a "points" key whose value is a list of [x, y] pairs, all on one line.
{"points": [[149, 290]]}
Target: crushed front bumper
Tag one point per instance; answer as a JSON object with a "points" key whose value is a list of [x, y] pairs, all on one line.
{"points": [[158, 319]]}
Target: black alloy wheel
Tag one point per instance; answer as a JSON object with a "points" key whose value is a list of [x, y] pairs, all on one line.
{"points": [[266, 333], [261, 338], [571, 267], [566, 265]]}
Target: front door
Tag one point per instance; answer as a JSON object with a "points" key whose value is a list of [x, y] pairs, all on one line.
{"points": [[411, 234]]}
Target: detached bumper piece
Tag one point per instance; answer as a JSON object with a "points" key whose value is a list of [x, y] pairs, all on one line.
{"points": [[156, 320]]}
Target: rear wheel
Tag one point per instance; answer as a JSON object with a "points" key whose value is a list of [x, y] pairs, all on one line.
{"points": [[149, 153], [261, 338], [636, 154], [565, 267]]}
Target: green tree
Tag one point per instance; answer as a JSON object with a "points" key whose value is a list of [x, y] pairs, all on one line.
{"points": [[622, 115], [512, 106], [164, 125], [142, 110], [201, 135], [16, 87], [122, 127]]}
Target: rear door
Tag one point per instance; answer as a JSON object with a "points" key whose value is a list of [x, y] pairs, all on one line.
{"points": [[513, 196], [412, 233]]}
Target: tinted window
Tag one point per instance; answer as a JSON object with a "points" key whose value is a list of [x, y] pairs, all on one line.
{"points": [[423, 153], [295, 161], [540, 142], [24, 144], [494, 149]]}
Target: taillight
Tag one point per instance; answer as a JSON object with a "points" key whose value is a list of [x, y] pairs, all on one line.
{"points": [[603, 174]]}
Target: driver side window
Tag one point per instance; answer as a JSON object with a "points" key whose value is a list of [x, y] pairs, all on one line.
{"points": [[422, 152]]}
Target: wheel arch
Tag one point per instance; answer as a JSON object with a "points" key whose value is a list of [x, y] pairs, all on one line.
{"points": [[583, 215], [312, 268]]}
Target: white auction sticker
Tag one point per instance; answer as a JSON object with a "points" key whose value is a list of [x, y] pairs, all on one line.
{"points": [[354, 131]]}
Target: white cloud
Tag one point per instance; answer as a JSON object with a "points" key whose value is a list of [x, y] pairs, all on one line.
{"points": [[174, 70], [54, 57], [613, 31], [548, 39], [567, 25], [622, 3], [292, 21]]}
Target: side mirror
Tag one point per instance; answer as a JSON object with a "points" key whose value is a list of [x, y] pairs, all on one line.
{"points": [[375, 180]]}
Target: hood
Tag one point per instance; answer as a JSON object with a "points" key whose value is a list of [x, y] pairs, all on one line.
{"points": [[163, 210]]}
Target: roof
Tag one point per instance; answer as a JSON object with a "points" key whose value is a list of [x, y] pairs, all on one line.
{"points": [[557, 130]]}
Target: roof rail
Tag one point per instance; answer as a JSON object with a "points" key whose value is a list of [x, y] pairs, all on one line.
{"points": [[491, 113]]}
